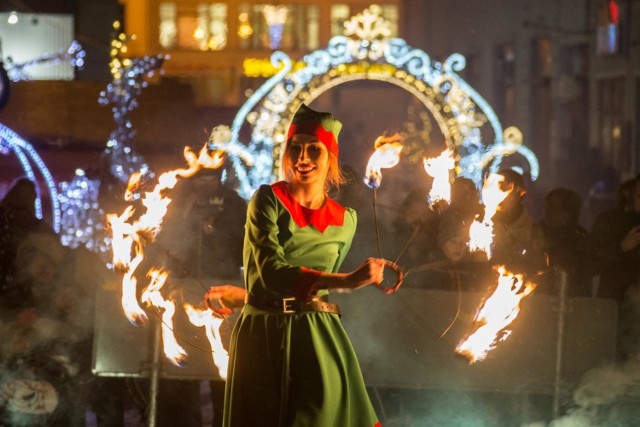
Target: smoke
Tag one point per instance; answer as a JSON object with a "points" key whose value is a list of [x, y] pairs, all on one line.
{"points": [[47, 327], [607, 396]]}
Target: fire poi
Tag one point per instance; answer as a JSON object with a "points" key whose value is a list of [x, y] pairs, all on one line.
{"points": [[130, 236], [386, 155], [438, 168], [481, 230], [495, 314]]}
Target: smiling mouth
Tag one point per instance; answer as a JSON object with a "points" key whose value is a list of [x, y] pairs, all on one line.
{"points": [[305, 169]]}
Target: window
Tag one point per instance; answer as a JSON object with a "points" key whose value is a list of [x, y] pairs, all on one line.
{"points": [[339, 14], [390, 14], [608, 28], [26, 37], [168, 30], [611, 140], [196, 27], [286, 27], [505, 74]]}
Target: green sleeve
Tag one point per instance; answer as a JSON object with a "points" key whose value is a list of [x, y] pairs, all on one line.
{"points": [[350, 213], [265, 261]]}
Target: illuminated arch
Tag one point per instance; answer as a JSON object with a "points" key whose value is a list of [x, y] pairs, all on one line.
{"points": [[30, 160], [365, 52]]}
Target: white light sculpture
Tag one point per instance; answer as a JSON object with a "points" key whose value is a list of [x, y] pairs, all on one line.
{"points": [[365, 52]]}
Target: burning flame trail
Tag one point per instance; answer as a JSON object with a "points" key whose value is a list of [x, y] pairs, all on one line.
{"points": [[211, 322], [481, 232], [438, 168], [495, 314], [128, 237], [152, 296]]}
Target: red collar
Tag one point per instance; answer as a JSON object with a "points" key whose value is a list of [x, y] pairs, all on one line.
{"points": [[331, 213]]}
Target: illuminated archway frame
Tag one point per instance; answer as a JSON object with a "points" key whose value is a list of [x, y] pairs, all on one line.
{"points": [[28, 158], [366, 53]]}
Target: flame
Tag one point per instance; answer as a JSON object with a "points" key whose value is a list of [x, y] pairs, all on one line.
{"points": [[152, 297], [495, 314], [132, 236], [481, 231], [438, 168], [211, 322], [386, 155]]}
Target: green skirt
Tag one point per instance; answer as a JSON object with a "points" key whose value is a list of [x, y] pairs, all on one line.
{"points": [[294, 370]]}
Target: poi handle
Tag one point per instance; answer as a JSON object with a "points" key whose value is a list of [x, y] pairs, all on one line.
{"points": [[399, 278]]}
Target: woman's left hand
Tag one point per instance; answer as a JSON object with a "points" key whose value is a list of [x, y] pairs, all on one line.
{"points": [[227, 296]]}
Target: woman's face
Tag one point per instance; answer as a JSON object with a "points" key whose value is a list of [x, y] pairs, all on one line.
{"points": [[308, 159]]}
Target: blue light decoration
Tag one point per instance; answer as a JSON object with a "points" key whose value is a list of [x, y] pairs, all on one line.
{"points": [[276, 17], [74, 55], [365, 52], [10, 142], [128, 82], [30, 161], [82, 217]]}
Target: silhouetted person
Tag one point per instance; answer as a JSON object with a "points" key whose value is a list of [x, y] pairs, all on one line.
{"points": [[565, 242], [17, 219], [513, 242]]}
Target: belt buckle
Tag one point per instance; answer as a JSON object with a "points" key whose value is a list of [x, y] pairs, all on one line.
{"points": [[286, 307]]}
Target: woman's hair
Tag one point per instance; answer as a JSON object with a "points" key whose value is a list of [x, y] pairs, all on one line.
{"points": [[335, 176]]}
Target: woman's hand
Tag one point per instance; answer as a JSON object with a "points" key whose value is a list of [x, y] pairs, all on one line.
{"points": [[370, 272], [227, 297]]}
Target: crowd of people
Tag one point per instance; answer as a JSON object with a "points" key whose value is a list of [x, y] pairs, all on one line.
{"points": [[47, 290]]}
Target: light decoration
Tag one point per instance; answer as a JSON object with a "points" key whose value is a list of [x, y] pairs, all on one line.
{"points": [[439, 169], [276, 17], [244, 27], [82, 217], [481, 229], [31, 162], [127, 84], [365, 52], [130, 236], [209, 320], [74, 54], [495, 315]]}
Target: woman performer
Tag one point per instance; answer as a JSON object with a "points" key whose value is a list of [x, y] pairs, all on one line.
{"points": [[291, 362]]}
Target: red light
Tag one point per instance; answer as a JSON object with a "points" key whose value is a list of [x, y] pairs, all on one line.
{"points": [[614, 12]]}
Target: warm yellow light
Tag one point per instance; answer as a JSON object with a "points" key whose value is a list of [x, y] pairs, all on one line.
{"points": [[244, 28]]}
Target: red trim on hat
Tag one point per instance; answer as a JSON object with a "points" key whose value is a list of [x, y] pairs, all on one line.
{"points": [[331, 213], [313, 128]]}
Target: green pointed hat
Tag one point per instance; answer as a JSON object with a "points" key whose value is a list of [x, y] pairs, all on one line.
{"points": [[320, 125]]}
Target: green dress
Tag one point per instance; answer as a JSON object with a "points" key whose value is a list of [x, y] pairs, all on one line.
{"points": [[293, 369]]}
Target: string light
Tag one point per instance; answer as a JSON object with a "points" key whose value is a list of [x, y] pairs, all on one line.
{"points": [[127, 84], [74, 55], [10, 142], [82, 217]]}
